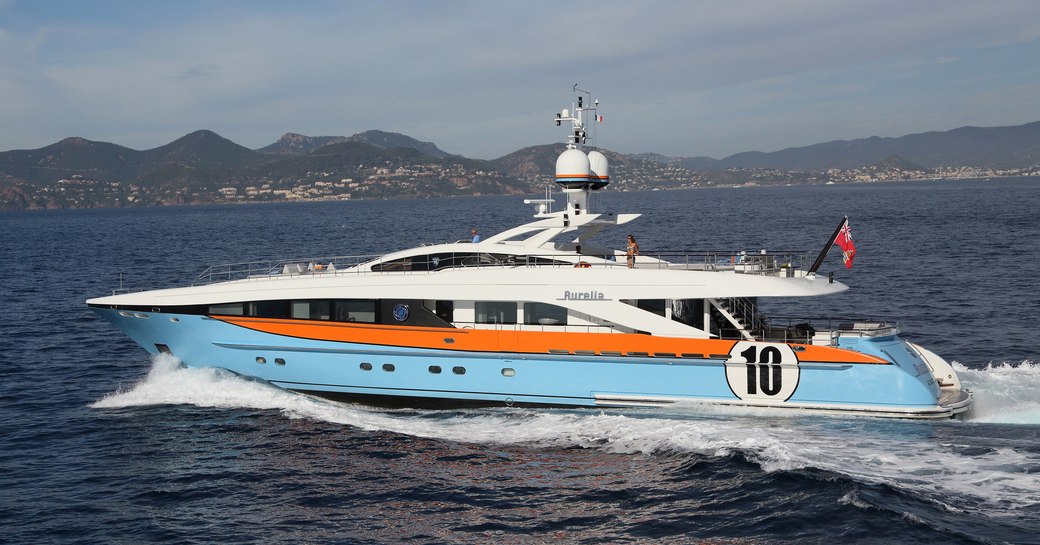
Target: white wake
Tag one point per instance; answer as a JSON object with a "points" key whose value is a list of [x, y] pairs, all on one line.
{"points": [[1004, 393], [914, 456]]}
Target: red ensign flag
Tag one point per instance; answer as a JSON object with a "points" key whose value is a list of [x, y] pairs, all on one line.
{"points": [[844, 241]]}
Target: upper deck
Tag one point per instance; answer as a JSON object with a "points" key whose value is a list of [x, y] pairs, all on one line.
{"points": [[437, 258]]}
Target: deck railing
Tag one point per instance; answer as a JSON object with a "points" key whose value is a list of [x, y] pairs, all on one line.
{"points": [[767, 263], [741, 262], [805, 330], [275, 268]]}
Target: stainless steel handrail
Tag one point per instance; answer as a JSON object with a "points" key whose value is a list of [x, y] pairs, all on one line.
{"points": [[739, 262]]}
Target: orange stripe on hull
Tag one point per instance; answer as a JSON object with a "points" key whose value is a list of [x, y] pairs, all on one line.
{"points": [[528, 342]]}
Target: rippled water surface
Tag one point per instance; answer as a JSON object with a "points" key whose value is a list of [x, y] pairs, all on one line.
{"points": [[99, 443]]}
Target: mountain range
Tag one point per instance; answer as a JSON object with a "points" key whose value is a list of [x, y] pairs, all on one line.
{"points": [[298, 144], [204, 156], [982, 147], [205, 159]]}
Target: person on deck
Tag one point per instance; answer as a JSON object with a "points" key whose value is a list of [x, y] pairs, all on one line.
{"points": [[631, 251], [476, 236]]}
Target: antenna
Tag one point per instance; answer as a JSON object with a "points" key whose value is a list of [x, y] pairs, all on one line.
{"points": [[579, 135], [577, 89], [543, 207], [578, 171]]}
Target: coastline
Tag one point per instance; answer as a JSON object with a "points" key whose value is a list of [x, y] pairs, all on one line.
{"points": [[619, 189]]}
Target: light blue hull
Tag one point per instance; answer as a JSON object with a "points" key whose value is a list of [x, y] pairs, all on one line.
{"points": [[386, 373]]}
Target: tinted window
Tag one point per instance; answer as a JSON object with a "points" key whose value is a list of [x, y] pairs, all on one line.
{"points": [[228, 309], [652, 305], [311, 310], [445, 310], [495, 312], [355, 310], [402, 264], [270, 309], [544, 314]]}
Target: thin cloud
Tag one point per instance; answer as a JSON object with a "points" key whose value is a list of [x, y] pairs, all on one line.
{"points": [[198, 71], [482, 79]]}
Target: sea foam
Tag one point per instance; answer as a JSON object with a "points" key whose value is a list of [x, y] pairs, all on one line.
{"points": [[1004, 393], [1000, 480]]}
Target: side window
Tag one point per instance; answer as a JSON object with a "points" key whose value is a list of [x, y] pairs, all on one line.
{"points": [[320, 310], [544, 314], [402, 264], [311, 310], [656, 306], [228, 309], [270, 309], [445, 310], [355, 310], [495, 312], [412, 263]]}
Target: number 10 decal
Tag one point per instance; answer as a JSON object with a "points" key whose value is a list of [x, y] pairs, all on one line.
{"points": [[762, 371]]}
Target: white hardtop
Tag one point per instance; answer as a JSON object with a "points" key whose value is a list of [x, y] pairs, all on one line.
{"points": [[534, 239]]}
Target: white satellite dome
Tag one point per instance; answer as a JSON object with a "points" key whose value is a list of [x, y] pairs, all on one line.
{"points": [[599, 169], [572, 168]]}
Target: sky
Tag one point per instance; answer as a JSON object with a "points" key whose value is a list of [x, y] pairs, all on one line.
{"points": [[484, 79]]}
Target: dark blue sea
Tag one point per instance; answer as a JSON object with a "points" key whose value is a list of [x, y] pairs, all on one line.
{"points": [[100, 443]]}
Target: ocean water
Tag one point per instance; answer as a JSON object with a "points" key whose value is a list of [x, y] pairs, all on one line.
{"points": [[100, 443]]}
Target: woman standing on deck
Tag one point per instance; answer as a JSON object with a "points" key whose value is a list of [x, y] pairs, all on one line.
{"points": [[631, 251]]}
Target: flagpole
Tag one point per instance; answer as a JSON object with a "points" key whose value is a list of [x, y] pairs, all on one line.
{"points": [[830, 242]]}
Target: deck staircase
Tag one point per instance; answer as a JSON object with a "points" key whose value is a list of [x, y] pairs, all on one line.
{"points": [[742, 314]]}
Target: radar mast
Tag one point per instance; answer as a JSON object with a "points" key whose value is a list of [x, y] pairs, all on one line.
{"points": [[577, 172]]}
